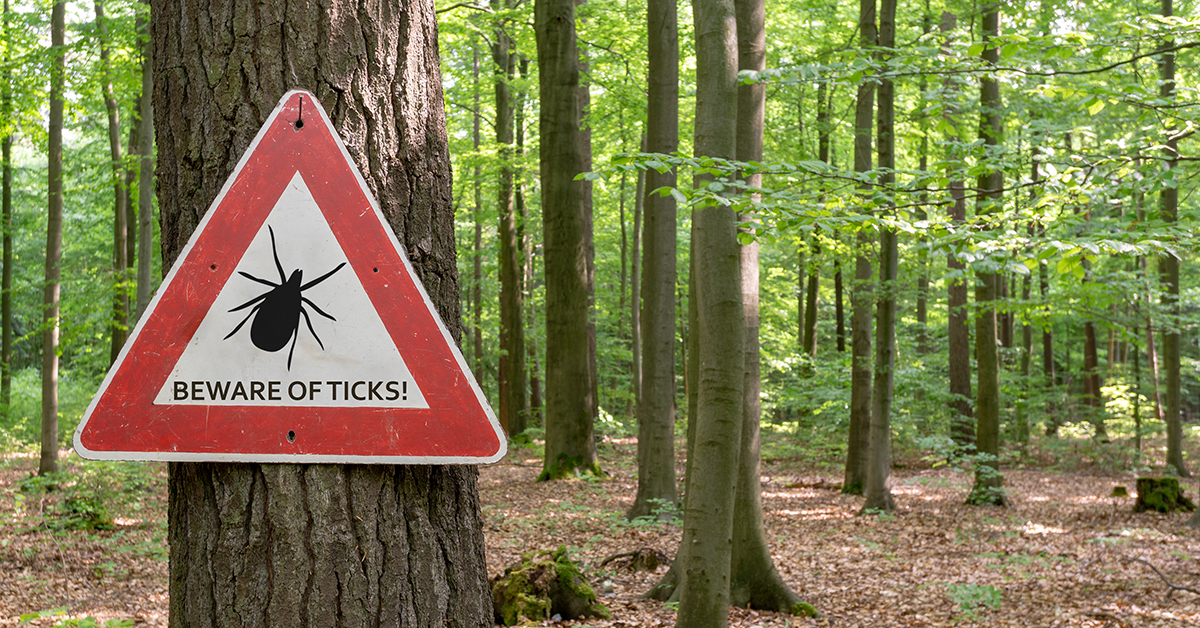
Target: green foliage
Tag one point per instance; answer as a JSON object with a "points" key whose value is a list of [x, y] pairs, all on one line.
{"points": [[970, 598], [77, 622], [86, 495]]}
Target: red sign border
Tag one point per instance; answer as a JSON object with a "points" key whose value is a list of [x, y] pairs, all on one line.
{"points": [[123, 423]]}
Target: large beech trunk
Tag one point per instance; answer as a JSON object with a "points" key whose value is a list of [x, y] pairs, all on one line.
{"points": [[656, 403], [308, 545], [566, 237], [754, 581]]}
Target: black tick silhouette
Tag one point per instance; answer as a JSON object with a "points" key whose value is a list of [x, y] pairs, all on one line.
{"points": [[277, 312]]}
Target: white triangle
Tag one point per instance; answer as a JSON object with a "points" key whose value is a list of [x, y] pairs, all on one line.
{"points": [[359, 365]]}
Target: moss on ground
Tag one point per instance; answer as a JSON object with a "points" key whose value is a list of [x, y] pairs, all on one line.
{"points": [[543, 584]]}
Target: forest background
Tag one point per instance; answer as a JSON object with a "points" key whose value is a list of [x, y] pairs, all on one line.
{"points": [[1092, 137]]}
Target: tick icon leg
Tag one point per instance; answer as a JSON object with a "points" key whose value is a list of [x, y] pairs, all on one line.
{"points": [[282, 276], [262, 281], [308, 321], [295, 335], [321, 278], [239, 326], [250, 302], [319, 310]]}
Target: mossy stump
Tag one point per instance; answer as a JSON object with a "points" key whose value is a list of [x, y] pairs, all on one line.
{"points": [[544, 584], [1161, 495]]}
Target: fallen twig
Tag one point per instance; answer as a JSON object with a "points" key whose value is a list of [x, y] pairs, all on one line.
{"points": [[1174, 587]]}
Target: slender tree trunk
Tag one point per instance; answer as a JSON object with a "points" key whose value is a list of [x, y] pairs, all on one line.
{"points": [[839, 307], [635, 293], [145, 140], [989, 483], [1168, 268], [477, 275], [879, 459], [119, 324], [814, 268], [335, 545], [861, 293], [801, 271], [6, 224], [570, 396], [526, 238], [958, 336], [54, 235], [1022, 418], [514, 408]]}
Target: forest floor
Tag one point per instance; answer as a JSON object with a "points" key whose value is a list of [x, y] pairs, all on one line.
{"points": [[1064, 553]]}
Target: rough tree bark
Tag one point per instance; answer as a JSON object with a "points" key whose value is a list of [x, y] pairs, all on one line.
{"points": [[861, 292], [656, 406], [330, 545], [570, 395], [119, 324], [48, 463], [879, 457], [989, 483]]}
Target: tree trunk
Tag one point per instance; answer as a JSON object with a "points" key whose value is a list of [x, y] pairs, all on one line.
{"points": [[635, 292], [708, 518], [1092, 382], [6, 224], [839, 307], [335, 545], [570, 396], [754, 580], [809, 346], [989, 484], [54, 233], [1168, 268], [656, 406], [119, 324], [145, 140], [861, 293], [958, 336], [1049, 376], [535, 382], [477, 266], [514, 408], [879, 459]]}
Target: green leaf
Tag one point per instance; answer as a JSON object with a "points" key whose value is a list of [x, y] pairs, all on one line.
{"points": [[975, 50]]}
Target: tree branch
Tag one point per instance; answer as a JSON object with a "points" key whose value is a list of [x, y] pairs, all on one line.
{"points": [[1174, 587]]}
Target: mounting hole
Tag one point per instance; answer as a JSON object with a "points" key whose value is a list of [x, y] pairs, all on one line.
{"points": [[291, 436], [374, 270], [214, 267], [298, 124]]}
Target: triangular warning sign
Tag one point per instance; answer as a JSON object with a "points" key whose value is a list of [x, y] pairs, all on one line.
{"points": [[292, 329]]}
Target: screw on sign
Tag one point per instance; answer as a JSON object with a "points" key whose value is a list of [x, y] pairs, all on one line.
{"points": [[277, 313]]}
